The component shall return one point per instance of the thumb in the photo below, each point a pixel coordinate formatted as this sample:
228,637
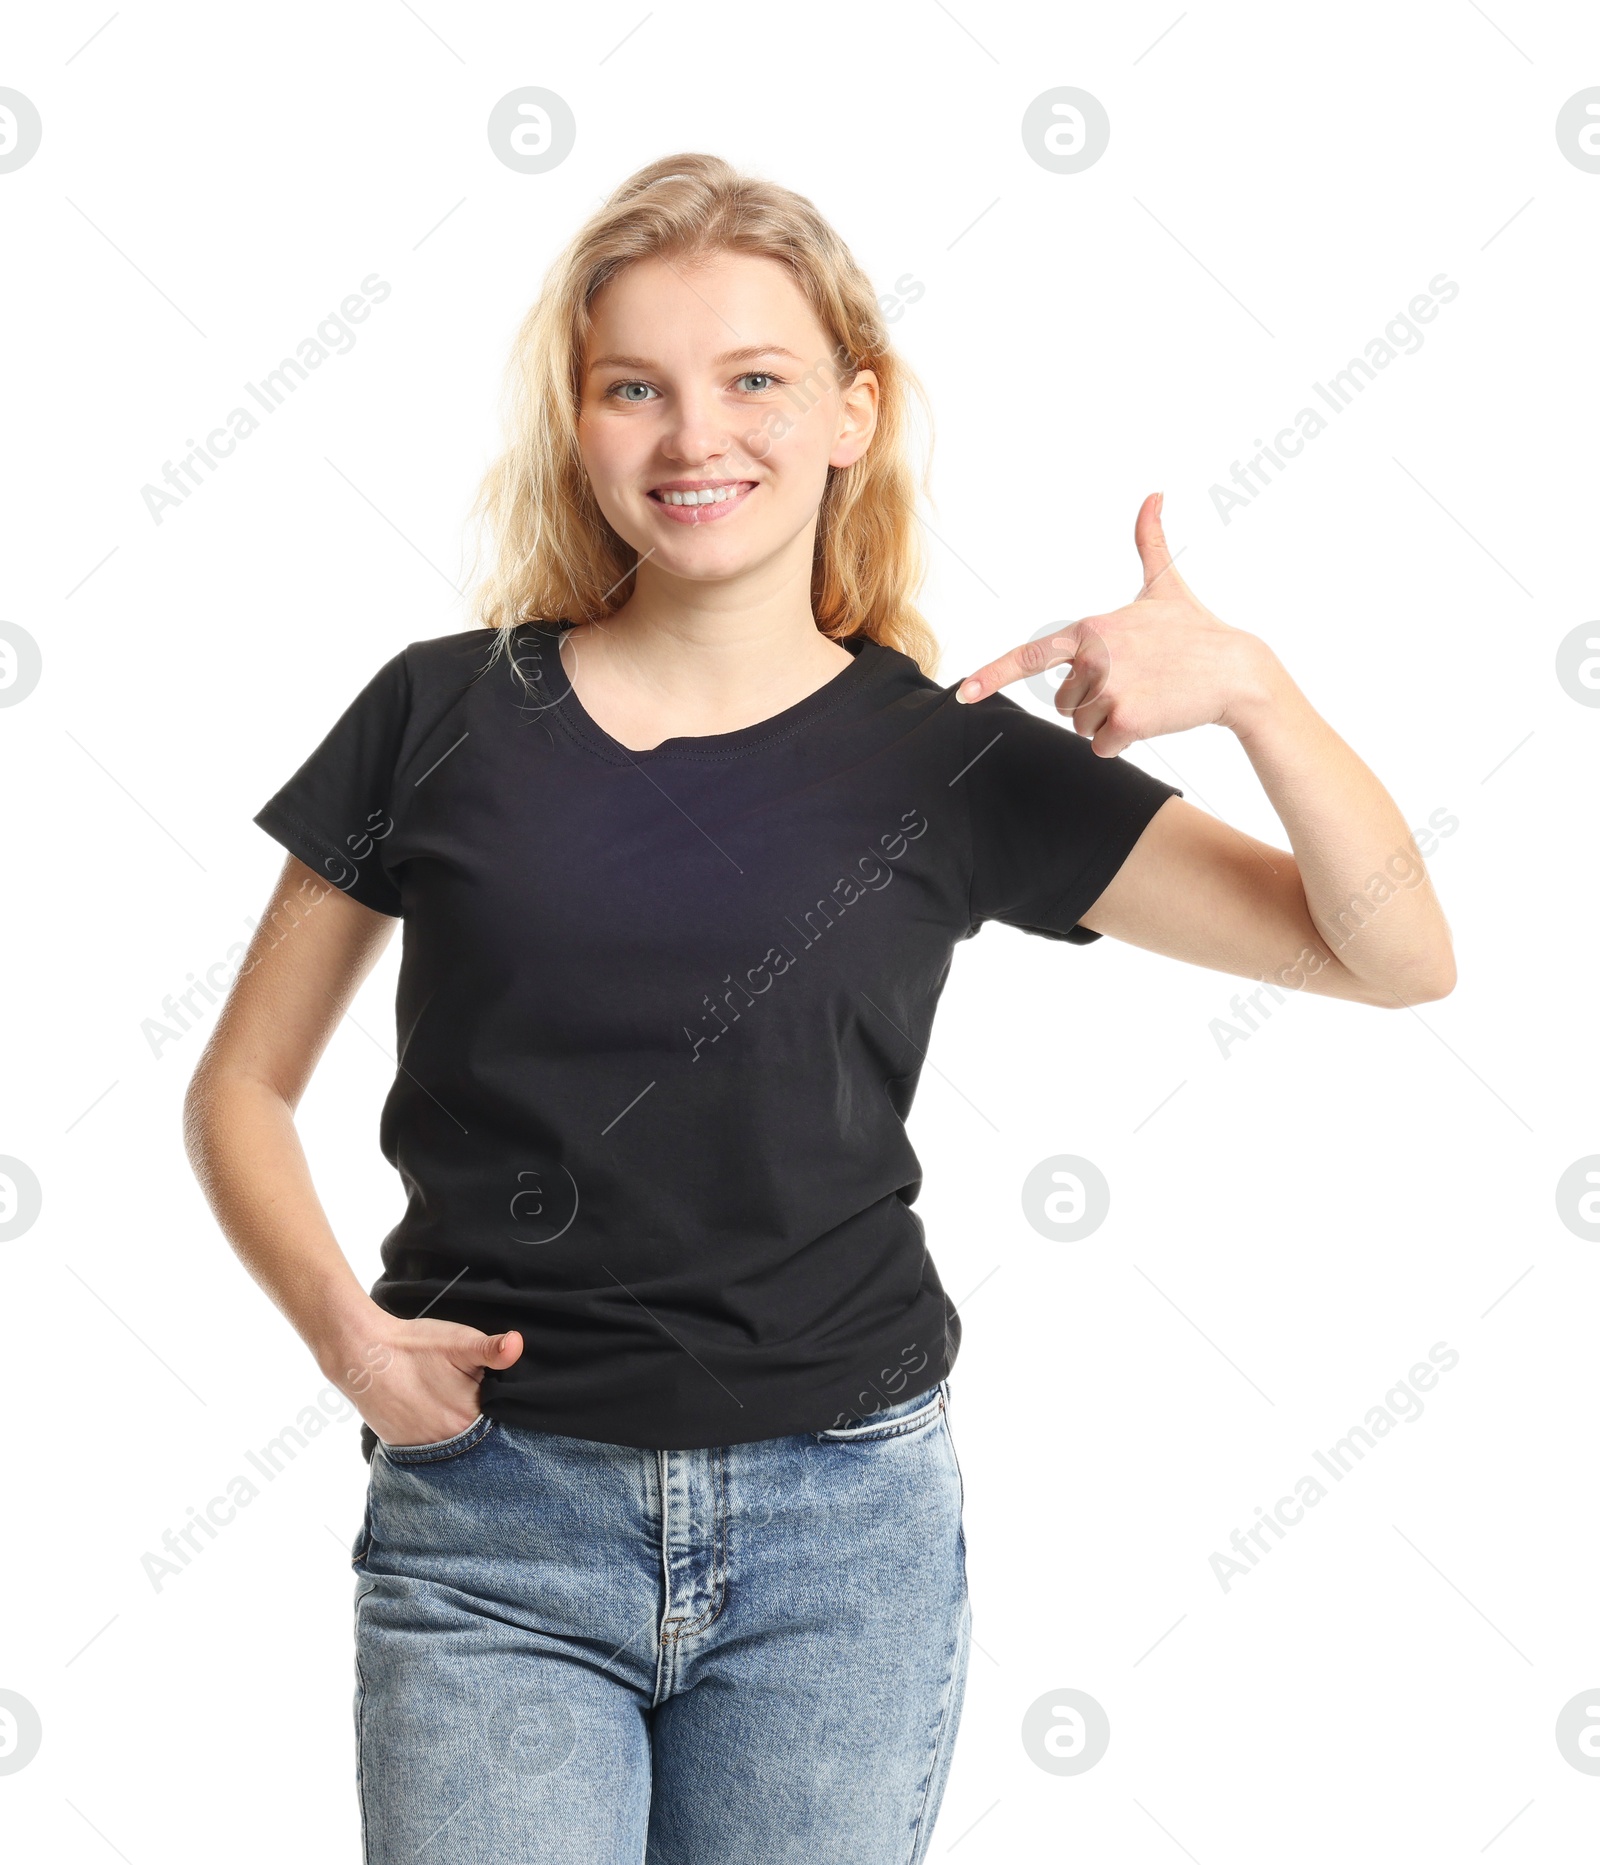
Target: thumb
1160,579
498,1351
1091,665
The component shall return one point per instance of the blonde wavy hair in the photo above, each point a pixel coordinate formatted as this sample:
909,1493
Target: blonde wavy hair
555,556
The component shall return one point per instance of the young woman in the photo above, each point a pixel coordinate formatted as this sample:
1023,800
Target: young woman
663,1554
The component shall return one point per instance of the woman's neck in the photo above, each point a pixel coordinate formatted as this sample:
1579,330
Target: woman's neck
687,660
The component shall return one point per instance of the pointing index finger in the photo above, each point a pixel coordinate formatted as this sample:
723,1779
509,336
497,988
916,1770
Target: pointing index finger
1076,642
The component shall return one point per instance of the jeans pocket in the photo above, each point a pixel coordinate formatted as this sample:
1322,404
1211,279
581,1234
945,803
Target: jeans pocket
443,1448
895,1421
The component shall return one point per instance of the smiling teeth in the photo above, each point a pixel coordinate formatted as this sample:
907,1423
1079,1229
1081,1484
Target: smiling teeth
712,496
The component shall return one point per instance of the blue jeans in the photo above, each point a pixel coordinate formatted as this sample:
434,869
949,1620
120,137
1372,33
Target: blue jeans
585,1653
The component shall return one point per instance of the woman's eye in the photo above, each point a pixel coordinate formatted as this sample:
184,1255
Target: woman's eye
753,382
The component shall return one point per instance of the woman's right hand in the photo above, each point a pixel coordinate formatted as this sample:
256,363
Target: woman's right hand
418,1382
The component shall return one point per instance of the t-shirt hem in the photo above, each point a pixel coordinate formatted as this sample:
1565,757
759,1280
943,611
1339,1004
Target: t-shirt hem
1104,864
317,852
786,1412
757,1426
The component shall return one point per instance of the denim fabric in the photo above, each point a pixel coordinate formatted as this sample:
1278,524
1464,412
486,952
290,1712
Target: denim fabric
589,1653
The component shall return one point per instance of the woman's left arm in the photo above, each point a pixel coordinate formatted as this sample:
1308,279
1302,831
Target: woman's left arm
1350,913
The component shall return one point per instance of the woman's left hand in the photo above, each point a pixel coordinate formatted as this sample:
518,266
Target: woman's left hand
1162,664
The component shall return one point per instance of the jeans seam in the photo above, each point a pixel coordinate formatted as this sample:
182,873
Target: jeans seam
361,1722
955,1457
666,1647
719,1553
939,1734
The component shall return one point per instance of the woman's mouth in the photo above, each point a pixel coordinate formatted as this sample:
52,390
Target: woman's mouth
699,501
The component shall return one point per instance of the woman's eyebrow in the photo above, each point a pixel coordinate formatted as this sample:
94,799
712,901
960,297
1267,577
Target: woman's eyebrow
748,354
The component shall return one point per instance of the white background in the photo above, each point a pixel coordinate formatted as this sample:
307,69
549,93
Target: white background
1293,1229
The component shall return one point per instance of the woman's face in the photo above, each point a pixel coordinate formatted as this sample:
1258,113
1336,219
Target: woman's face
715,379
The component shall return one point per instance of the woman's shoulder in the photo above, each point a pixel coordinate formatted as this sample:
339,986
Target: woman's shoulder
447,653
439,666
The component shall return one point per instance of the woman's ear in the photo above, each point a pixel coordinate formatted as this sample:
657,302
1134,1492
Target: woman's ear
858,418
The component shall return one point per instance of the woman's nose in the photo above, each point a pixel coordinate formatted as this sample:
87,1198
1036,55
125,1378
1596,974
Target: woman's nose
697,428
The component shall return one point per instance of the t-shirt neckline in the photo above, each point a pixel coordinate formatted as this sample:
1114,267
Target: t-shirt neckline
867,655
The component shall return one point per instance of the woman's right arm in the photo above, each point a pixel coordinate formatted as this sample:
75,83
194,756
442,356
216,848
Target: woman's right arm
413,1381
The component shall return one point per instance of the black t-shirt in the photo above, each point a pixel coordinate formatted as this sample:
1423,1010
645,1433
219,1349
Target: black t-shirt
661,1015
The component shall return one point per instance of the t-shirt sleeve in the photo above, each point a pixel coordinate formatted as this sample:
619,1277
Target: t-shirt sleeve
335,813
1052,821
